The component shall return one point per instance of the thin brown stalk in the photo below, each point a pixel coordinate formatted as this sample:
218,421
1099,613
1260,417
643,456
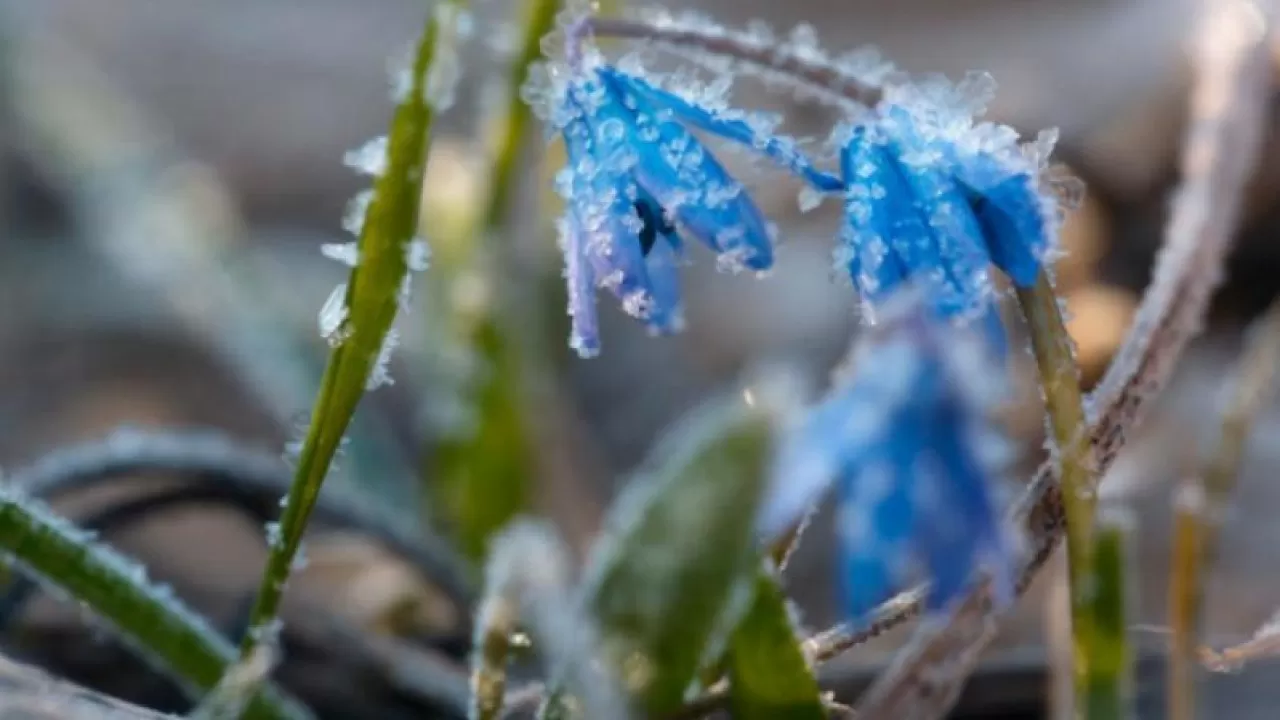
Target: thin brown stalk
1201,504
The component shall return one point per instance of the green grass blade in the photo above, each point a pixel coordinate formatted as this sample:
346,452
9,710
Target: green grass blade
170,636
680,542
768,673
373,296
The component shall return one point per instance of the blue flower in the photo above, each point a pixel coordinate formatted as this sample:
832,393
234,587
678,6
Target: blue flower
906,439
932,198
636,178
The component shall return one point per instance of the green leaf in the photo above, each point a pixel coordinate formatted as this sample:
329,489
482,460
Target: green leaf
769,676
373,297
173,638
680,541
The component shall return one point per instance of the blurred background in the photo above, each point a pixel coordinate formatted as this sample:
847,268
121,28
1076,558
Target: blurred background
168,171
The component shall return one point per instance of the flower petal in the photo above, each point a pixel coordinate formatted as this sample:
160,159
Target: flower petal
1011,210
692,186
666,315
584,335
731,125
601,193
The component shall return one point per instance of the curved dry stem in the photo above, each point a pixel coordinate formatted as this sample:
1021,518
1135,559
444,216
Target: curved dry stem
821,76
1225,130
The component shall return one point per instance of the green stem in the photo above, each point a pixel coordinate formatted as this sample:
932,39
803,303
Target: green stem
1059,381
169,634
1109,684
514,125
373,297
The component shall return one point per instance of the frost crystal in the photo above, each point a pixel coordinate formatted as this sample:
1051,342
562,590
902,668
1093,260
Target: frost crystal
809,199
417,255
380,373
274,535
347,253
357,208
333,316
446,67
368,159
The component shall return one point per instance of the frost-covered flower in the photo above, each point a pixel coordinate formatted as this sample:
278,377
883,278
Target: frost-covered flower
636,176
907,440
932,197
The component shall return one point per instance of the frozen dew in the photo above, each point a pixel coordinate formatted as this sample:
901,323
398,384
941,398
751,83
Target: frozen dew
273,534
357,209
368,159
347,253
380,372
333,316
809,198
400,71
417,255
300,559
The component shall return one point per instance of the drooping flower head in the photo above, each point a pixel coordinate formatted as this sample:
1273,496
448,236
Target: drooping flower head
637,178
937,199
906,438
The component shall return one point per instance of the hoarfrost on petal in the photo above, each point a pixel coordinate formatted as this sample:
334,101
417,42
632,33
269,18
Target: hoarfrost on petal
809,198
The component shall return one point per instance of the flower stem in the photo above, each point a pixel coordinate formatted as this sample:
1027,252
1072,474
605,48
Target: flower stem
1059,381
512,129
172,637
1109,684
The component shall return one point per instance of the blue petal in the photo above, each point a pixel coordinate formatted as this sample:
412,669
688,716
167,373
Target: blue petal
814,454
666,315
876,526
881,220
957,257
685,178
603,196
783,151
1010,208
